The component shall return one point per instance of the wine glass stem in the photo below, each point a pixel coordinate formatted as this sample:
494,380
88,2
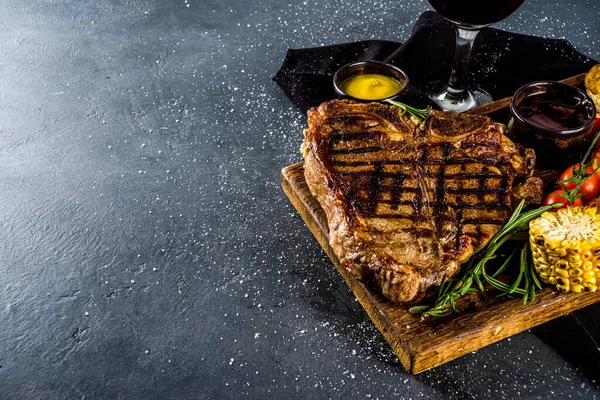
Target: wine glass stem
457,84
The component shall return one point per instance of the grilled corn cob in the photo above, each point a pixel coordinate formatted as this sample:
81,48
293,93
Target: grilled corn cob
565,246
592,85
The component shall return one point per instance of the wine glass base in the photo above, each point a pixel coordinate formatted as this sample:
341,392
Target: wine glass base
448,101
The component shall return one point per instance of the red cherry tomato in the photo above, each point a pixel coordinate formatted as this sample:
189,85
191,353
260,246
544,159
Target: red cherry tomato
554,198
596,126
590,187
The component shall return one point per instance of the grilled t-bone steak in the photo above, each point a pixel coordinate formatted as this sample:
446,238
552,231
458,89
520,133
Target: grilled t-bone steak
407,203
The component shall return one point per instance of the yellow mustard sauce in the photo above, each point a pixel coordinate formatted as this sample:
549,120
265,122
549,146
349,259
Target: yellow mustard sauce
371,86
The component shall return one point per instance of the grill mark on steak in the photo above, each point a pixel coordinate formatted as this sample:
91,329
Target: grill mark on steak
395,191
476,206
373,190
478,191
359,135
440,195
442,218
460,222
448,177
396,175
400,160
338,163
355,151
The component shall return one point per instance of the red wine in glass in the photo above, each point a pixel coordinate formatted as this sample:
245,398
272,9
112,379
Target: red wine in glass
478,13
468,17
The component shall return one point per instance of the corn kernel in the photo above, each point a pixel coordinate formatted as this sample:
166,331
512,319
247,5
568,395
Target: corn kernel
561,251
576,280
589,276
575,273
563,288
562,273
576,288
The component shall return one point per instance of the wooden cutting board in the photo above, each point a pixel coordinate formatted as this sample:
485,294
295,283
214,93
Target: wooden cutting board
422,344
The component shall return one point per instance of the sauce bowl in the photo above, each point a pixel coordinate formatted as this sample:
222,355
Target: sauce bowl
369,81
553,118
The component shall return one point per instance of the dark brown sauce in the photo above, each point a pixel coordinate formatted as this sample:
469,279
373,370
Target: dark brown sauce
549,112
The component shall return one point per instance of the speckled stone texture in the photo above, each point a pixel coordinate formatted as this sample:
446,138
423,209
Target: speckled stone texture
148,251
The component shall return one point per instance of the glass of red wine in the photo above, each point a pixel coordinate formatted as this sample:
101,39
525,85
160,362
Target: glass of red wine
468,17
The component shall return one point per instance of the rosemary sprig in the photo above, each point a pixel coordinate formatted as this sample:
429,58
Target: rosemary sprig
418,113
471,280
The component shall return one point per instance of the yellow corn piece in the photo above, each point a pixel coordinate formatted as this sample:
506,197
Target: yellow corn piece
592,85
565,247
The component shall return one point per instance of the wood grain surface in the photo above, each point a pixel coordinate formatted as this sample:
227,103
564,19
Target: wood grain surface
424,343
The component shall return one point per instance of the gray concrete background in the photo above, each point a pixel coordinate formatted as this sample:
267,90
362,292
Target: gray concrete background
148,250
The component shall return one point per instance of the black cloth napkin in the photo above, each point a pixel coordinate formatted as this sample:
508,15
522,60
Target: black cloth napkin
501,62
